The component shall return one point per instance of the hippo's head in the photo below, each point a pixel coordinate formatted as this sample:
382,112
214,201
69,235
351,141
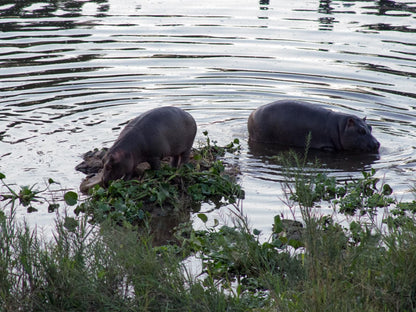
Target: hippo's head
356,136
117,165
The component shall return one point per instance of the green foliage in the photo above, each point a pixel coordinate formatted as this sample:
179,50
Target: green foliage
83,269
335,268
316,264
235,255
361,267
316,188
210,151
27,196
310,187
401,215
71,198
171,190
364,195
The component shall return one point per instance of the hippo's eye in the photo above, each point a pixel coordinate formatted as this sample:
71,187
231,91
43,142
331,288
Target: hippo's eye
362,131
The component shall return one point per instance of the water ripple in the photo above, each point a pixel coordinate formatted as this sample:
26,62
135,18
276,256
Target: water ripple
73,72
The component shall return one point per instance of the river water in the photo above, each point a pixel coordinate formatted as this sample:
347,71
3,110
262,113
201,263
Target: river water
73,72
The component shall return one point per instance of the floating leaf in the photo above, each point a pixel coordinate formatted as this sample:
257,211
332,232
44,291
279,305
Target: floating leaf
31,209
203,217
387,190
71,198
256,232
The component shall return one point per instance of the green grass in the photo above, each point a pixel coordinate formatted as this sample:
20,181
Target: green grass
89,269
96,262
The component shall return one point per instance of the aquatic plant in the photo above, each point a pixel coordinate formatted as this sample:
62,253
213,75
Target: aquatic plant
167,191
308,186
314,264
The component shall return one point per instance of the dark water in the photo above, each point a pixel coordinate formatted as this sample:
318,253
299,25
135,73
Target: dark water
72,72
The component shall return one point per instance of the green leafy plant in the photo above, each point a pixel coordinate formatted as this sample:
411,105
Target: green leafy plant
27,196
314,264
234,257
364,195
308,186
168,190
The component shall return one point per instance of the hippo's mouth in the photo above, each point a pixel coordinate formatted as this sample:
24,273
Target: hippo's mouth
371,150
371,147
374,147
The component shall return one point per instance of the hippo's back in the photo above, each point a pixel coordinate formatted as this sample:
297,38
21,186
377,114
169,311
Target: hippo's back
286,122
291,123
167,115
166,130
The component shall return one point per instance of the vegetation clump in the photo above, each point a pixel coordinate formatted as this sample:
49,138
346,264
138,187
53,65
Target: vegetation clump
162,199
309,187
167,189
313,264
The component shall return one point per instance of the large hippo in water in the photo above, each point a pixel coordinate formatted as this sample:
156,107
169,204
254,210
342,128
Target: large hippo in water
160,132
289,123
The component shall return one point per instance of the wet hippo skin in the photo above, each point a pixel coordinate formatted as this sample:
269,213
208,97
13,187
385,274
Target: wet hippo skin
288,123
160,132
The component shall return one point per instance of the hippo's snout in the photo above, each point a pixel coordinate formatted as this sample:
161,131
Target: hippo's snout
373,146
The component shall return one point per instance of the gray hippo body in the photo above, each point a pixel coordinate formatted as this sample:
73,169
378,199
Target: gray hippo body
160,132
288,123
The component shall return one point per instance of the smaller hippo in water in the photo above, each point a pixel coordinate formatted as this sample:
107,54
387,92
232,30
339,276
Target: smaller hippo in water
289,123
160,132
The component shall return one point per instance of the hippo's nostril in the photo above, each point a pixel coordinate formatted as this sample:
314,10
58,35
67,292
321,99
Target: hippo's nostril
374,146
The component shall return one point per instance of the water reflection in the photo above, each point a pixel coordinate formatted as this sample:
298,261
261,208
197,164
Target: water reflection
72,71
389,27
385,7
264,4
346,162
326,23
33,8
381,8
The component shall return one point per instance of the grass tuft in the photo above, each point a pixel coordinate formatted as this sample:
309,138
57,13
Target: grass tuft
315,264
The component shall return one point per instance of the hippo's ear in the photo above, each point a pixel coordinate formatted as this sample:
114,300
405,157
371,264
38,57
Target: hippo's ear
350,123
117,156
108,163
365,119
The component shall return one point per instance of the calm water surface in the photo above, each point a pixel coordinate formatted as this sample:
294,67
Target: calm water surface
73,72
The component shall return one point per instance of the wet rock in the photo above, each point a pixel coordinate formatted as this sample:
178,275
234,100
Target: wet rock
92,161
92,165
292,230
90,181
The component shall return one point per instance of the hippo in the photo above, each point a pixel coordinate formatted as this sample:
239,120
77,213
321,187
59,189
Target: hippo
160,132
289,123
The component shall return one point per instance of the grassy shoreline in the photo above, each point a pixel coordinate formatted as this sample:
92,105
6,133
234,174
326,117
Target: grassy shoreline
317,264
